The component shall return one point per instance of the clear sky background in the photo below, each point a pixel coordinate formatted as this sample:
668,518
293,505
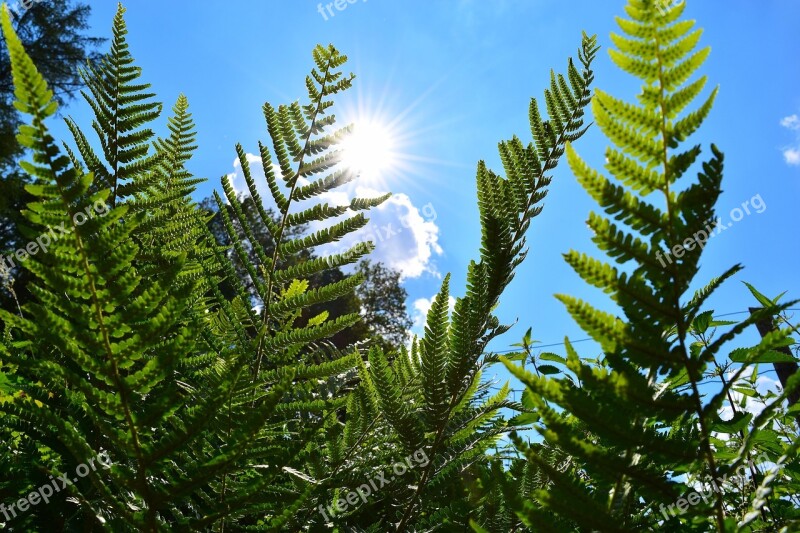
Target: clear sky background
452,78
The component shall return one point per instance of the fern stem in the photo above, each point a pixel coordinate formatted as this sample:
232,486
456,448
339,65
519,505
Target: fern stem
551,162
284,221
628,457
412,504
346,456
118,381
98,309
675,287
122,391
454,401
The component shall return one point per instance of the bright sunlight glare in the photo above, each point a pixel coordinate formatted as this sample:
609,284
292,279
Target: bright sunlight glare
369,150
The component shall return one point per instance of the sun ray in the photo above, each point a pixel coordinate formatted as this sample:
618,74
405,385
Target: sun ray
370,151
387,142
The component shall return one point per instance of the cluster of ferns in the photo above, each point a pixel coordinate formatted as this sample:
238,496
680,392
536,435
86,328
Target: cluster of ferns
230,410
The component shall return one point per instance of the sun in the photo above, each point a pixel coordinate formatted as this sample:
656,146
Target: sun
370,150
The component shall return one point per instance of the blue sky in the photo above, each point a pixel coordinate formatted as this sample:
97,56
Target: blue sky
455,77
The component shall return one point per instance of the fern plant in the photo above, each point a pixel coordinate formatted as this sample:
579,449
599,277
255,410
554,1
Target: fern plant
151,180
69,389
186,402
268,317
221,404
430,398
638,422
220,410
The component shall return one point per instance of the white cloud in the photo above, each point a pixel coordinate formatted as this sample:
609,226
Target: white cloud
792,154
792,122
406,237
754,406
421,307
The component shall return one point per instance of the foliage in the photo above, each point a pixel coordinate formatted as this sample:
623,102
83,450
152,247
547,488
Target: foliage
383,300
380,299
219,410
213,355
54,36
639,424
165,379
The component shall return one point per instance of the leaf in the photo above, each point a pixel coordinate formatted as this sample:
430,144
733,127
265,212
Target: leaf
319,319
702,321
5,385
763,300
548,369
740,355
528,400
747,391
717,323
527,339
549,356
516,356
737,423
476,527
524,419
296,288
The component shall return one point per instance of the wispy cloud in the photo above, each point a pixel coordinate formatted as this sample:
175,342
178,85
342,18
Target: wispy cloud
791,154
792,122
